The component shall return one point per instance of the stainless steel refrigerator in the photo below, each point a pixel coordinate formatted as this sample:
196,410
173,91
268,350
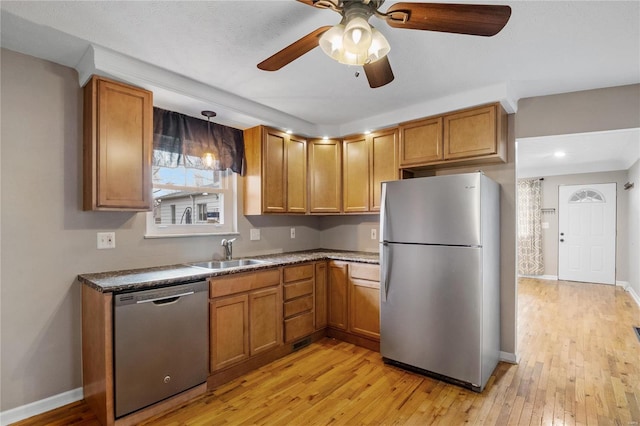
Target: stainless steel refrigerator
440,276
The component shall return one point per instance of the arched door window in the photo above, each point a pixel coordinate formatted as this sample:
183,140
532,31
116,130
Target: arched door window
587,196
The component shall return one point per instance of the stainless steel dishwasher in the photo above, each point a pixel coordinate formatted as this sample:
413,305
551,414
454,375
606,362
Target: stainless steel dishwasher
161,344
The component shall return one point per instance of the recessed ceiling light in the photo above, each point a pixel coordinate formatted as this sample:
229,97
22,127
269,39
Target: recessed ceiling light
325,138
559,154
367,132
289,132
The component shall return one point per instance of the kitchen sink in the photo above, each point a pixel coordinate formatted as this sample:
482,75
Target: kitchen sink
224,264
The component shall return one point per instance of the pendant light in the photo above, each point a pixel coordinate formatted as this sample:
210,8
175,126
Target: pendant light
208,159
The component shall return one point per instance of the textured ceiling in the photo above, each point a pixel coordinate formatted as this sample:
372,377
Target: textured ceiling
213,47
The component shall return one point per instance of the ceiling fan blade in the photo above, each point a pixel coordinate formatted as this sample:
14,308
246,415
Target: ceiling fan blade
379,72
473,19
293,51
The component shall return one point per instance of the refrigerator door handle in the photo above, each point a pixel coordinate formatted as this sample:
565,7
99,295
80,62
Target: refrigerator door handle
385,260
383,211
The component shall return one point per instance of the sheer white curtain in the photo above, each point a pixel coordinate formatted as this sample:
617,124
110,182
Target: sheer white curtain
530,261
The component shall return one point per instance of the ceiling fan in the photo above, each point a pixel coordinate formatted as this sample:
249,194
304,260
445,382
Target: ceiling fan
355,42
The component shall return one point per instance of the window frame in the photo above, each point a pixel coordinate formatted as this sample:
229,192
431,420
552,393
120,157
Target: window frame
229,214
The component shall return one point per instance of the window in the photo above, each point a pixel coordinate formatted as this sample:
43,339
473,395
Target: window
190,201
194,176
587,196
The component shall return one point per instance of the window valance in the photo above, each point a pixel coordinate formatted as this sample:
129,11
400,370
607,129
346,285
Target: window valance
181,140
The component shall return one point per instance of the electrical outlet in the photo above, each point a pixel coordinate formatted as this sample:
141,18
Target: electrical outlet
106,240
254,234
374,233
293,232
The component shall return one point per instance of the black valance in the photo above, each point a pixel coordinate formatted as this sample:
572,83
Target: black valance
180,140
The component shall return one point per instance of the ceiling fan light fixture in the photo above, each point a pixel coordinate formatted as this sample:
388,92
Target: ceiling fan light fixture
379,46
331,42
357,35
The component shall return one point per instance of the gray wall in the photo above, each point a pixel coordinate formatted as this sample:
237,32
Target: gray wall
350,232
579,112
550,200
47,239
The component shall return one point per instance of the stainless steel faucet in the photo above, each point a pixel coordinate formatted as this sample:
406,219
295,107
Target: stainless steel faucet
228,248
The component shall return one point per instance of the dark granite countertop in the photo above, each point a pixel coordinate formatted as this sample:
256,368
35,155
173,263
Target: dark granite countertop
145,278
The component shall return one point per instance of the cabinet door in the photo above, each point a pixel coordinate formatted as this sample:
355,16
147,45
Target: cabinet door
338,303
229,331
274,184
383,157
355,172
325,177
118,122
296,175
364,308
320,295
421,142
470,133
265,320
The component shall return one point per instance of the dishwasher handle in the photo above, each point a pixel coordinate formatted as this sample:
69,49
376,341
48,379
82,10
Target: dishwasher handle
166,299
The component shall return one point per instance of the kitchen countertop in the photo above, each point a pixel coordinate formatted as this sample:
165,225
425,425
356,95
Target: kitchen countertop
145,278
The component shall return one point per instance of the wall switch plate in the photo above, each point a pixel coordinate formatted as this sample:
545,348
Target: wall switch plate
106,240
374,234
254,234
293,232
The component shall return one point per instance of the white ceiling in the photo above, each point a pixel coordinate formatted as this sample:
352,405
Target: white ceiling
584,153
203,55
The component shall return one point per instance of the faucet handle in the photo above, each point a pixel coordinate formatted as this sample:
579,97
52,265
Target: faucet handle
231,241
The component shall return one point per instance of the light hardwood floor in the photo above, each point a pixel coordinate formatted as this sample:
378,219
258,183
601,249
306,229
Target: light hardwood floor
580,364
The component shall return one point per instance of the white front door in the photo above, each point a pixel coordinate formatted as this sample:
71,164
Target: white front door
587,233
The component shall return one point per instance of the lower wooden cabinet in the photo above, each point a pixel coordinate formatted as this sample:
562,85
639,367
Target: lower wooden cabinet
354,299
229,341
298,307
364,300
245,317
265,322
338,302
320,295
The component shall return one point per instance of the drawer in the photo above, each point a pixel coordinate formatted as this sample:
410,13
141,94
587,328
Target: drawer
299,326
298,306
239,283
301,288
364,271
296,273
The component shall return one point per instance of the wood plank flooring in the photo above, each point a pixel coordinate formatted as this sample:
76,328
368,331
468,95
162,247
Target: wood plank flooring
580,364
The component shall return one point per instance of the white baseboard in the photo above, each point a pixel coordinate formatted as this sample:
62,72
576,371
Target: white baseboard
633,294
623,284
509,357
38,407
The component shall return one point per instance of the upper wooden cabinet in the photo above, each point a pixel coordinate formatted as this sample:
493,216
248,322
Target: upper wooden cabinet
276,172
368,160
421,142
471,136
118,127
325,176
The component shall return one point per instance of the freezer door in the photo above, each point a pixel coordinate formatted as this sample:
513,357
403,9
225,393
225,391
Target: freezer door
432,210
431,309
